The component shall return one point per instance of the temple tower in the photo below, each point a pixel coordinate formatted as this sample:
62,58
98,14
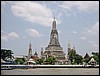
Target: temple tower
54,48
69,49
41,52
54,40
30,51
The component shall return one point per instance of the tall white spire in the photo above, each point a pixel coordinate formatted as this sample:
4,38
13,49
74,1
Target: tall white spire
30,45
54,24
68,44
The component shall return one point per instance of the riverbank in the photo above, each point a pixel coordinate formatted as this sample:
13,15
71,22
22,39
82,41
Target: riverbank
48,66
52,71
67,66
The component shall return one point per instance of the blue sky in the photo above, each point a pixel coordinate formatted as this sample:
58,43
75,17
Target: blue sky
23,22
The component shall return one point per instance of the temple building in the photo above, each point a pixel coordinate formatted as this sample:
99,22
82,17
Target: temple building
70,50
54,48
35,56
30,56
29,52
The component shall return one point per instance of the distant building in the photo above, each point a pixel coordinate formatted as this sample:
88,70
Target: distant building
86,56
30,56
70,50
35,56
30,62
29,52
92,62
54,48
41,52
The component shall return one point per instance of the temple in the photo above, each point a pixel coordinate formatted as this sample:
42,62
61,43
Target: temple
54,48
30,52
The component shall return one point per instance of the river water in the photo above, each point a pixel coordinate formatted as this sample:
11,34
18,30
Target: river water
52,71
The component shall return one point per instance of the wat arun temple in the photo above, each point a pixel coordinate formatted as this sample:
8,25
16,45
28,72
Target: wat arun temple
54,48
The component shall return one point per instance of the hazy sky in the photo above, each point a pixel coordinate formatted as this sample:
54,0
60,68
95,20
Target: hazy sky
31,21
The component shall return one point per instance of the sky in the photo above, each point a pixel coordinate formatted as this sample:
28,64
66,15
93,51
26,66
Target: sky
23,22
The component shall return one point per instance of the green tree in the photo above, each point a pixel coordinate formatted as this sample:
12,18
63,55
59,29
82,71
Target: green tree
72,54
96,56
87,60
6,54
78,59
40,61
20,60
51,60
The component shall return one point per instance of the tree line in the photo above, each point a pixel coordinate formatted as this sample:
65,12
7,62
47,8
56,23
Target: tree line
72,56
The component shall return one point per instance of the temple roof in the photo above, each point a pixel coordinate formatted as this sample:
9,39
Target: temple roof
35,53
86,56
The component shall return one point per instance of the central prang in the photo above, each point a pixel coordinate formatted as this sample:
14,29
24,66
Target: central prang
54,40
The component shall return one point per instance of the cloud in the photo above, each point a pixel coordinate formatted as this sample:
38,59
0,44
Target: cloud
37,12
59,21
33,12
67,5
6,37
13,35
83,38
74,32
83,6
88,6
33,32
93,30
3,3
